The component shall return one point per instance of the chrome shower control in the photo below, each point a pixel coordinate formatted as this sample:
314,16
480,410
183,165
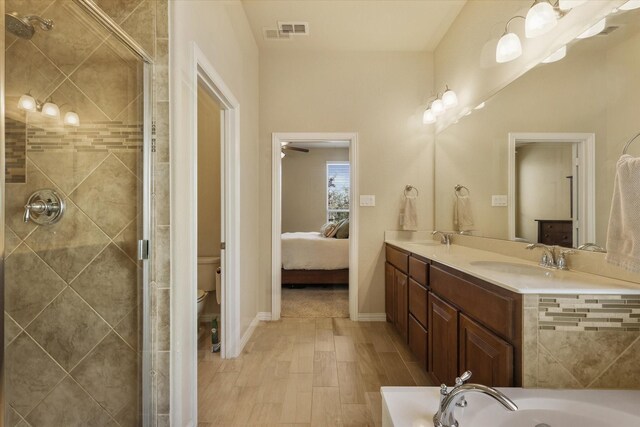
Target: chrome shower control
44,207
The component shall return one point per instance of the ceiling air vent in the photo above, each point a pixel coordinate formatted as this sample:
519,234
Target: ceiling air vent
275,34
295,28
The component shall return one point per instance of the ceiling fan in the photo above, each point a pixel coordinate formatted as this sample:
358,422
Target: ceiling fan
286,146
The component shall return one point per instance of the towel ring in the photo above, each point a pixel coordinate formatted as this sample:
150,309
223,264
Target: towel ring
459,189
408,189
626,146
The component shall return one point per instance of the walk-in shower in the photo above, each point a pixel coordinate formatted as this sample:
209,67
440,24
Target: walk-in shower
23,26
76,218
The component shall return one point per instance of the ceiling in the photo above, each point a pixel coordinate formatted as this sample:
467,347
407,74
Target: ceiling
355,25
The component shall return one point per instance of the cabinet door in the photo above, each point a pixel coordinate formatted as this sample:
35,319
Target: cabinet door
443,340
418,341
402,303
389,292
487,356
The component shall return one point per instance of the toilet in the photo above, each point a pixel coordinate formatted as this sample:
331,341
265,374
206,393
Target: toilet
207,270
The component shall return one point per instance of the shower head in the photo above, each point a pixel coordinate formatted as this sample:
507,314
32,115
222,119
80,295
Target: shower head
22,26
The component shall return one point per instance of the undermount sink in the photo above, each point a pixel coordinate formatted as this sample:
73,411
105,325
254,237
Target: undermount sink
415,406
513,268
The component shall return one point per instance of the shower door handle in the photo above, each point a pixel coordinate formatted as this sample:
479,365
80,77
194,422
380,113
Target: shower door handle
44,207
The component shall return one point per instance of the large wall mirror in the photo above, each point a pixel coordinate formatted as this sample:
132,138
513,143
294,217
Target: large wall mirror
549,142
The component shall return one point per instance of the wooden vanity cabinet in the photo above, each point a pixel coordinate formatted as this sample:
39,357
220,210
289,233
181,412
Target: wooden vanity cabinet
396,289
443,340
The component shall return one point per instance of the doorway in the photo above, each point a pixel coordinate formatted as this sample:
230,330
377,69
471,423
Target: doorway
309,258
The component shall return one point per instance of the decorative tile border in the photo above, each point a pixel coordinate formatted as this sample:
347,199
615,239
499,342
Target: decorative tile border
96,136
15,151
589,312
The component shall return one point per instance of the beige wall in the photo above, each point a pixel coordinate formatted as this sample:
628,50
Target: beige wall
304,189
208,175
542,188
376,95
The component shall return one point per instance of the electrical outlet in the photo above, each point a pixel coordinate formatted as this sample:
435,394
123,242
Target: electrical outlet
499,200
367,200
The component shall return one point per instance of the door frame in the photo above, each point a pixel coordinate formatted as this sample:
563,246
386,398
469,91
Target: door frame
276,213
184,238
586,189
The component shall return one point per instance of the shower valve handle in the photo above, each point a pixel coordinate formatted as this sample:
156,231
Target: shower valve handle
39,208
44,207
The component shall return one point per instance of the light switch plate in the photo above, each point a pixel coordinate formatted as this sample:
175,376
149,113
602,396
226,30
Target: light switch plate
499,200
367,200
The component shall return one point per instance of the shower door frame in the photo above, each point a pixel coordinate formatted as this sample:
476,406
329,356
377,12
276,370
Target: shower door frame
147,411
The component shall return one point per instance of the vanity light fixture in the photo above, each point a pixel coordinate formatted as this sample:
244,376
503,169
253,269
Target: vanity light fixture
630,5
596,29
509,46
27,103
71,118
557,55
437,107
570,4
541,19
428,117
449,98
49,109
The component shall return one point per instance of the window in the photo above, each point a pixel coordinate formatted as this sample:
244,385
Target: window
338,190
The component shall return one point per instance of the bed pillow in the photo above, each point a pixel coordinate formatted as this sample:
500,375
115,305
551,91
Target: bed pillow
342,231
329,229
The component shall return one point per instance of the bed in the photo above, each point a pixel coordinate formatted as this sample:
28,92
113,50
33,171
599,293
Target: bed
311,258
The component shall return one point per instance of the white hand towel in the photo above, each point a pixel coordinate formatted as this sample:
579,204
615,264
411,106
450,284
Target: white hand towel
409,214
462,216
623,235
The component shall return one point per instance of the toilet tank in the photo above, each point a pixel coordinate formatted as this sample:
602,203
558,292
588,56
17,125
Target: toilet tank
207,267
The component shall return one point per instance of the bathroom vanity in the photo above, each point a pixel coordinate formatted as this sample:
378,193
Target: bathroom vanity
509,321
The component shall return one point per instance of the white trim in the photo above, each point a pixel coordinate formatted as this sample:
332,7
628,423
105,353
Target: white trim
248,333
586,178
184,251
372,317
264,316
276,213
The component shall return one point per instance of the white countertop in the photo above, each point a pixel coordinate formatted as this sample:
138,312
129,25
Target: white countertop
546,282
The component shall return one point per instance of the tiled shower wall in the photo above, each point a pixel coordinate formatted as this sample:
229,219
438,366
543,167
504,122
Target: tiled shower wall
581,341
65,333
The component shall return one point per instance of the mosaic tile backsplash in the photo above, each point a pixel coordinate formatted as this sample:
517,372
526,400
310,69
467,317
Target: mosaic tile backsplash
15,151
589,312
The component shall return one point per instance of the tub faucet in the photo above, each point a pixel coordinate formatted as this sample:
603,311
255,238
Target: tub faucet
445,238
450,399
548,259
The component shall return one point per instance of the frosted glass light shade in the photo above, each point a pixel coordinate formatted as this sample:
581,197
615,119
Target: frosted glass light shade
630,5
437,107
540,19
428,117
27,103
449,99
72,119
570,4
50,109
557,55
596,29
509,48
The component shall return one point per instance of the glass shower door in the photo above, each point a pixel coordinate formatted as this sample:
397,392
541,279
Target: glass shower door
74,138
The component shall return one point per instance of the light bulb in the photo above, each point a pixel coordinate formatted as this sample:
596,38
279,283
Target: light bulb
428,117
71,119
282,154
50,109
596,29
540,19
449,99
570,4
509,48
437,107
557,55
27,103
630,5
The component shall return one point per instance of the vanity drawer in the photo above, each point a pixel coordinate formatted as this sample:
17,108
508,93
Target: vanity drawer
418,302
419,271
397,258
494,310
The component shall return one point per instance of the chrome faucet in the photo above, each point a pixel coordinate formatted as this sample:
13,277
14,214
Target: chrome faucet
445,238
592,247
450,399
548,259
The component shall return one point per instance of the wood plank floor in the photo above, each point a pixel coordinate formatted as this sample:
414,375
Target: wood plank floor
305,372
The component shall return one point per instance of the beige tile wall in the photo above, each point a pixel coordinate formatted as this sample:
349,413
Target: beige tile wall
593,343
74,336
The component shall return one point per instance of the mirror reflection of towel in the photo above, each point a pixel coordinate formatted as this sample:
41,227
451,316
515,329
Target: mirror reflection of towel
409,214
623,235
462,216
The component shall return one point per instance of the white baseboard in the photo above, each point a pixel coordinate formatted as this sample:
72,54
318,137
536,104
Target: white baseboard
247,335
372,317
264,316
